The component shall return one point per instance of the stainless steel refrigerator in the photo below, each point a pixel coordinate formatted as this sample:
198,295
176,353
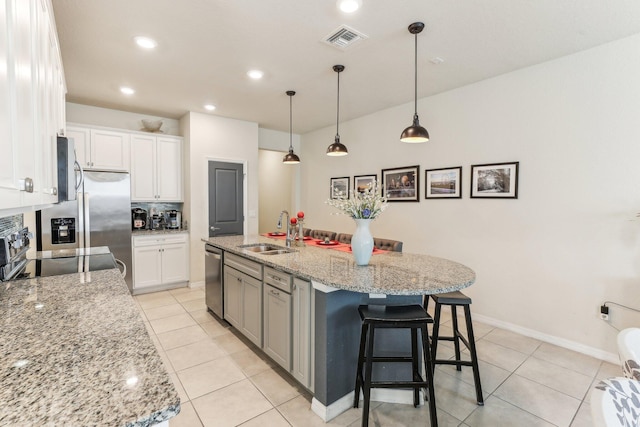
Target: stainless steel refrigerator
101,216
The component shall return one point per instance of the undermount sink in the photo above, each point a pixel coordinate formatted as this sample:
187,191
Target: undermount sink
266,249
276,252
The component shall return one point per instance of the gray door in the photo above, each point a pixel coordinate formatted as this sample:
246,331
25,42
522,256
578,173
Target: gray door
225,199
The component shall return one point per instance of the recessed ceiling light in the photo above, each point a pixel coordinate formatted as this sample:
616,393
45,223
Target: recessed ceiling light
349,6
255,74
127,90
145,42
209,107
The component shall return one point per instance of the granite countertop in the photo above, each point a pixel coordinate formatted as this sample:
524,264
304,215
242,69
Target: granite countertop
390,273
160,231
74,351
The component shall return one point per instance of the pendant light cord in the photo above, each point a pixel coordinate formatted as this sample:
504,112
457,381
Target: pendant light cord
415,85
290,122
338,109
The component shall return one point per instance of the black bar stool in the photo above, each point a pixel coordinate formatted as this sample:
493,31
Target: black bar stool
455,299
413,317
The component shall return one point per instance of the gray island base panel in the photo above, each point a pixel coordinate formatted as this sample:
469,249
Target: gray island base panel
340,286
75,351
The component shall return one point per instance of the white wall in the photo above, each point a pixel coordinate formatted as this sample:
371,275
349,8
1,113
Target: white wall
276,189
90,115
216,138
279,141
546,261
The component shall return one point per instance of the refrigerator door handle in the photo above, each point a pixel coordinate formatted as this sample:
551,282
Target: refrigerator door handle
124,267
87,225
81,173
80,216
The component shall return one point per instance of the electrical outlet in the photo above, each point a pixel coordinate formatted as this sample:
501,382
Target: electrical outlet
604,316
604,312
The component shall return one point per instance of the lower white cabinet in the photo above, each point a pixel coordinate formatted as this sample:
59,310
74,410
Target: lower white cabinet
302,337
160,259
277,316
274,310
243,296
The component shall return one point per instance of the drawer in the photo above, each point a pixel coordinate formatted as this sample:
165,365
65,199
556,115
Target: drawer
249,267
158,239
277,279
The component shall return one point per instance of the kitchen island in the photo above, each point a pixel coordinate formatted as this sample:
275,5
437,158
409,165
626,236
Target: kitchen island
75,352
339,287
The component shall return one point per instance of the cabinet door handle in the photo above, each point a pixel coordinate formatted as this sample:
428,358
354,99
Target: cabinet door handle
26,185
276,278
238,279
275,293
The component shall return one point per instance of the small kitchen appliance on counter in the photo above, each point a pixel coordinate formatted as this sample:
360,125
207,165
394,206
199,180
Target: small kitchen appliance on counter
138,219
157,221
174,219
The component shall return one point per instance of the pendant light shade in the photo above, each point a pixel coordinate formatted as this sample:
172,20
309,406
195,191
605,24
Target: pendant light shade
291,158
415,133
337,148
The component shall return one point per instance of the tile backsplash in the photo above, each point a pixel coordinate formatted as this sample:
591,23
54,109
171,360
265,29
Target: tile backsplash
10,224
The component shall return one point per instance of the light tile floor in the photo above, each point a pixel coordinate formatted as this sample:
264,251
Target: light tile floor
223,380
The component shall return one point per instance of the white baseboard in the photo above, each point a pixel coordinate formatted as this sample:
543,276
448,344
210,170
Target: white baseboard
551,339
327,413
199,284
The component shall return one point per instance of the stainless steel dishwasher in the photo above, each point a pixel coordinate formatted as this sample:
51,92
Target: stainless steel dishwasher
213,289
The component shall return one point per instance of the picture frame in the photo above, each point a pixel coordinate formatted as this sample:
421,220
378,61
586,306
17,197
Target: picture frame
443,183
339,186
402,184
495,181
361,182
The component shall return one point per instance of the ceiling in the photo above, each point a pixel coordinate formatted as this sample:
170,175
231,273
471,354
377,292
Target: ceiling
206,48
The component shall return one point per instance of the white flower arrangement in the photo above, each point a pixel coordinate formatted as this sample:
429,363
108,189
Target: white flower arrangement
368,204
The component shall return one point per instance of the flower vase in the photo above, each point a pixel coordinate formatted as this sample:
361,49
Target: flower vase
362,242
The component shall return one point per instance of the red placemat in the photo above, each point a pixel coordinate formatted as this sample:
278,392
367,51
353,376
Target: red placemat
284,236
347,248
318,244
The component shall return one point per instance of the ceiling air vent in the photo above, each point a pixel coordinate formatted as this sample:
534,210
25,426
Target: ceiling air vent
344,37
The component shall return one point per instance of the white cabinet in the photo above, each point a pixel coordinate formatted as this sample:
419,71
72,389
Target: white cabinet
243,296
31,105
156,168
100,149
160,259
302,339
277,316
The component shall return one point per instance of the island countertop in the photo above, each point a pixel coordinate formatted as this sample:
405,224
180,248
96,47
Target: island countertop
390,273
74,351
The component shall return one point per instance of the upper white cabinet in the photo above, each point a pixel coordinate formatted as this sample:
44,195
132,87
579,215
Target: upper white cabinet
100,149
156,168
32,105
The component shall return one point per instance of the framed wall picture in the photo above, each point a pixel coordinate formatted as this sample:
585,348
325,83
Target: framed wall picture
362,182
339,188
402,184
495,181
443,183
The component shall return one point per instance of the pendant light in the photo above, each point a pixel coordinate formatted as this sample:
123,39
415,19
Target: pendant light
291,158
337,149
415,133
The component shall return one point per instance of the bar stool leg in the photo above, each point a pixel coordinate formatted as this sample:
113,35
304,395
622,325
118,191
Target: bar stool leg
415,366
367,377
435,334
456,335
429,367
474,355
359,379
